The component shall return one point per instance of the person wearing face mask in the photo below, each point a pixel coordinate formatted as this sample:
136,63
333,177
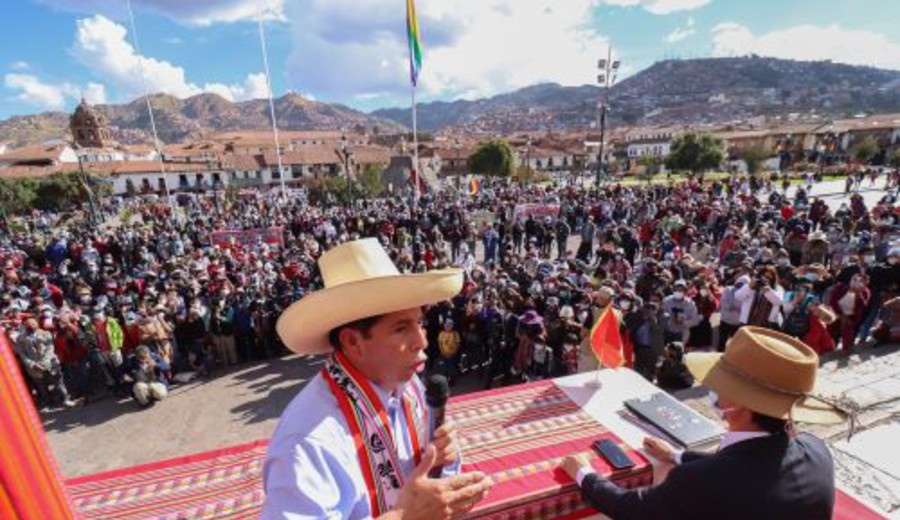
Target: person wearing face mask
764,468
35,349
706,298
851,302
884,285
679,313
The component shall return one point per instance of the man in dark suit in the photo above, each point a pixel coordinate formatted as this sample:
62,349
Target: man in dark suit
763,470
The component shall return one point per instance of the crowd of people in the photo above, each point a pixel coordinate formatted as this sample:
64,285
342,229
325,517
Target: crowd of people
148,299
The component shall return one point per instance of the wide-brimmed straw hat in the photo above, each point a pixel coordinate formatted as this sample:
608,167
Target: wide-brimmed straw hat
361,281
767,372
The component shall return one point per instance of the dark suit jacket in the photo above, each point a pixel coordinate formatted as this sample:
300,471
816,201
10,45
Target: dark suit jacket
767,478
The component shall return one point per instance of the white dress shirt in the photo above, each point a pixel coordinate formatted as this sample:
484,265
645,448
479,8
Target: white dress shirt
312,469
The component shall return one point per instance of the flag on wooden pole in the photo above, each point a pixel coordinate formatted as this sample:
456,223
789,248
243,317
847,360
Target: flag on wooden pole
606,340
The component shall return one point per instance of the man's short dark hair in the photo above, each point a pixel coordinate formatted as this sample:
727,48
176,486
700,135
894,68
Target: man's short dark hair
363,326
769,424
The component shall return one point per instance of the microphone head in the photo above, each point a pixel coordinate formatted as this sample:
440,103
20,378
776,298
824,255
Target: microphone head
437,390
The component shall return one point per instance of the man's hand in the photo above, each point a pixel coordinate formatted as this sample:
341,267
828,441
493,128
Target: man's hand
423,498
659,449
573,463
446,444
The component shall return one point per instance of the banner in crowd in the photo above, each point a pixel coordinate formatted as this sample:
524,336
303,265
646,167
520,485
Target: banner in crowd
482,218
274,236
536,211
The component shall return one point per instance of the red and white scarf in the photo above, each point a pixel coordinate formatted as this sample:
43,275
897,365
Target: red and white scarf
370,427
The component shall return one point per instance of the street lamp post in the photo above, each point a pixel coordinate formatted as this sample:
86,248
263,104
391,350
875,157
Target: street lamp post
346,155
607,78
84,180
528,153
458,168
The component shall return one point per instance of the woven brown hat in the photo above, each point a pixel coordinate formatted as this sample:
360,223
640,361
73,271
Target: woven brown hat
767,372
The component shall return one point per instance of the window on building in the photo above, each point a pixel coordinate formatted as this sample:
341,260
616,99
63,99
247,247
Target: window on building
183,181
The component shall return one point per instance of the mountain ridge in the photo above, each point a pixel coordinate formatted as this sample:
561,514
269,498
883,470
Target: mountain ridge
670,92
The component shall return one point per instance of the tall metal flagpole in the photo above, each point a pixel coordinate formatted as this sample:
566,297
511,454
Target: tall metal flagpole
415,146
262,41
137,50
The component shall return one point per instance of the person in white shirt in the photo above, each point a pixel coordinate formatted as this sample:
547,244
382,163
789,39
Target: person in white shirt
358,442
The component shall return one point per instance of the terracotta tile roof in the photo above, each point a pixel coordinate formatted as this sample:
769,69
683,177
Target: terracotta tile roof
26,172
307,156
34,153
241,162
371,154
139,167
266,140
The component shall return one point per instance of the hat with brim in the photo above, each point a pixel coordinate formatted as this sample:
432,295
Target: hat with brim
361,281
767,372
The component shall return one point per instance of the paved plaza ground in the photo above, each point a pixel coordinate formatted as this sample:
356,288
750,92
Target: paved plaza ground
243,404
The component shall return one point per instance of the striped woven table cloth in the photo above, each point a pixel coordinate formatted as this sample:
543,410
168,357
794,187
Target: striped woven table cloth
519,435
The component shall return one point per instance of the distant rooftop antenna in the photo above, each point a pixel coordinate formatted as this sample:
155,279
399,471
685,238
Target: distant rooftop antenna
156,146
265,56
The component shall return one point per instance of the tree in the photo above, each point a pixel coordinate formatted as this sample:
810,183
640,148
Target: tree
649,167
865,150
16,195
370,180
895,158
60,190
494,158
696,153
754,158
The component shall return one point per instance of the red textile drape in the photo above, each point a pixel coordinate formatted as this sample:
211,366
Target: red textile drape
32,486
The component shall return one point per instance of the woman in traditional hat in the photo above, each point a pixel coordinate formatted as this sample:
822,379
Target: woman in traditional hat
761,386
356,443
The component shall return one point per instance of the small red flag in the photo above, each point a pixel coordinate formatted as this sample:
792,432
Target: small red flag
606,341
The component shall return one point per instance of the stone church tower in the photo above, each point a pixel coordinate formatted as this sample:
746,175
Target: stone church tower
89,128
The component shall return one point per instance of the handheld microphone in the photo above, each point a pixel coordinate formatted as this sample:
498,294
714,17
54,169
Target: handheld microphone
437,390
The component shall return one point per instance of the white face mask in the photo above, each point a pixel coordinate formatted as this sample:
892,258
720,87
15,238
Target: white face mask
714,402
679,295
625,305
869,259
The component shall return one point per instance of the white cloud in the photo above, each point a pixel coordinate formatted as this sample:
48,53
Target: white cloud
190,12
681,33
357,48
95,93
31,90
19,65
809,42
34,92
102,46
661,6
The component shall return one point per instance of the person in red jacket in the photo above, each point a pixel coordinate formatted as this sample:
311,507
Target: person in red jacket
850,301
817,336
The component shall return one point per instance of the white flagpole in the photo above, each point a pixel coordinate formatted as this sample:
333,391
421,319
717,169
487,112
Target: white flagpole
265,56
156,145
416,172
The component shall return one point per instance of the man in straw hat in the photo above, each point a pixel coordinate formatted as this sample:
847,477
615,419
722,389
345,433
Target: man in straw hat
760,386
356,442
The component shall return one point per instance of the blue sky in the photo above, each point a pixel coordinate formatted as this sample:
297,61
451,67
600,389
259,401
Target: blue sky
354,52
